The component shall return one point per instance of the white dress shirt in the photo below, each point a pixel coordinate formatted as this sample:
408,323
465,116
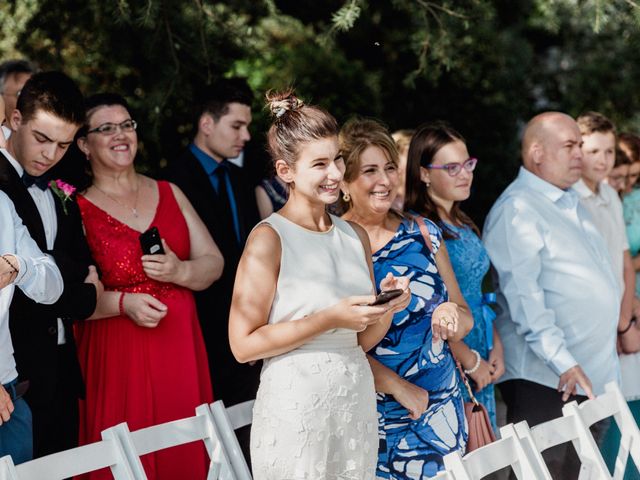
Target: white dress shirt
47,209
605,209
558,295
38,277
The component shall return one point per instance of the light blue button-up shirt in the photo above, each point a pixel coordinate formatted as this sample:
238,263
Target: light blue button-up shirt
38,277
558,297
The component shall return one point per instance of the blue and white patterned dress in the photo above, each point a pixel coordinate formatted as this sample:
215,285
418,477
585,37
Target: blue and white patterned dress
413,449
470,263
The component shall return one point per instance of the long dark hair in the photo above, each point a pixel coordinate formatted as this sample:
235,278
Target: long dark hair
427,141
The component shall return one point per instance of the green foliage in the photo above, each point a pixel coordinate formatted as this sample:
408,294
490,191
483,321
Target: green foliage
486,66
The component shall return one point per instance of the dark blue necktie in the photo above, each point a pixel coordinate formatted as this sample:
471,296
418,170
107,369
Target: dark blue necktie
42,182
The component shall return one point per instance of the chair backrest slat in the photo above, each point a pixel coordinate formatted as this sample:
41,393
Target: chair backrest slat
554,432
508,451
241,415
166,435
602,407
70,463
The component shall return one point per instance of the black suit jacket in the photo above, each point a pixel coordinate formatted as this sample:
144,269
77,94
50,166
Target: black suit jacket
33,326
232,382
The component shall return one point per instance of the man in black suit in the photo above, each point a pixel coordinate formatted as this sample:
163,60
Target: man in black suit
225,201
49,112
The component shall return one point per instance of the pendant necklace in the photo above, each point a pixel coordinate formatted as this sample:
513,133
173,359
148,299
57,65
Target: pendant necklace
134,209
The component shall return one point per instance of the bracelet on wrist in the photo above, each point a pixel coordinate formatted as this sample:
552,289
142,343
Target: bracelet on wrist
475,368
628,327
121,304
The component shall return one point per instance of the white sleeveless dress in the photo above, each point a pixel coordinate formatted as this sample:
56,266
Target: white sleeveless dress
315,412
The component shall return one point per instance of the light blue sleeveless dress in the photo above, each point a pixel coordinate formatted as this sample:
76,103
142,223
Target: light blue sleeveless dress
413,449
470,263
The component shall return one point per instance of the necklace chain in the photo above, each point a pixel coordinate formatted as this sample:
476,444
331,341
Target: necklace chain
134,209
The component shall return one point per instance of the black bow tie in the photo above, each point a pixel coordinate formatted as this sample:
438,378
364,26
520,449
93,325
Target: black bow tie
42,182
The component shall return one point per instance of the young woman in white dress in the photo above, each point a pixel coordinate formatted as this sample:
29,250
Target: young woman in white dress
301,303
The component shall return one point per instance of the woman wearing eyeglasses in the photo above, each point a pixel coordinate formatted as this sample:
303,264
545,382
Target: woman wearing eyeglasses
142,353
439,177
420,407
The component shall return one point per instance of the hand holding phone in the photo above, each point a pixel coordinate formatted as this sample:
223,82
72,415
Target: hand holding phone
386,296
151,243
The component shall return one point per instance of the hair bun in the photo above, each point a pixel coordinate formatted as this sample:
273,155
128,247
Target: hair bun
280,103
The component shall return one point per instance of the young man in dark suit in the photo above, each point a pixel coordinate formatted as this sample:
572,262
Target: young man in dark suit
49,111
225,201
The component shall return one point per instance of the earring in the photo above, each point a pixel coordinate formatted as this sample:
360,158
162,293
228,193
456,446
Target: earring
346,197
427,184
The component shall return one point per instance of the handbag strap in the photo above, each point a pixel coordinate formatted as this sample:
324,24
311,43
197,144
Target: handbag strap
424,231
465,380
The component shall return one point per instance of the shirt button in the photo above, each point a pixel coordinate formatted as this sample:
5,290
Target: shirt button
52,330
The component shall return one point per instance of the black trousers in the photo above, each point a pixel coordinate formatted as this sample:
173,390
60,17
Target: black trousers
55,423
537,404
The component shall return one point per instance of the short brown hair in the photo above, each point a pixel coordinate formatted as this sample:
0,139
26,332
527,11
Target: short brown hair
632,142
621,158
52,92
591,122
295,124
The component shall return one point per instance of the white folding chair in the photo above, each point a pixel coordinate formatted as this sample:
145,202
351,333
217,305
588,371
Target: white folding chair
228,420
7,469
568,428
508,451
108,453
610,404
200,427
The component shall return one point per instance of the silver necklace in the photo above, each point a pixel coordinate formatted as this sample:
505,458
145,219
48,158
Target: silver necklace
134,209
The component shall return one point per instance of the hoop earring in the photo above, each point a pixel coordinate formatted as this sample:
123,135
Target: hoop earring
346,197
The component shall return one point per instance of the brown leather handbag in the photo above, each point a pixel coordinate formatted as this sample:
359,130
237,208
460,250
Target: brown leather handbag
480,431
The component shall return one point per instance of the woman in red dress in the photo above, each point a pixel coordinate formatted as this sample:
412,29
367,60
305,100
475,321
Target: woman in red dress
142,353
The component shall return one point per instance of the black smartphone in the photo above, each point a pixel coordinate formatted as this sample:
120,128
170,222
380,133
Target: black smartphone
386,296
151,243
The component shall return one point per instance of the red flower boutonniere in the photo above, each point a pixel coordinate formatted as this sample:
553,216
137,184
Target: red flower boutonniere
64,191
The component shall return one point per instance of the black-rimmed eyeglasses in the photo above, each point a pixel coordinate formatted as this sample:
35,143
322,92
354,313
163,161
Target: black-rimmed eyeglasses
113,128
453,169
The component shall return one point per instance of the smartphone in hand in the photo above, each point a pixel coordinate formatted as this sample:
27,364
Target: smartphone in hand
386,296
151,243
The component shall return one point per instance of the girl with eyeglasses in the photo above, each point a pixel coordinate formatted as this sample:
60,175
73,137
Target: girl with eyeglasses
439,178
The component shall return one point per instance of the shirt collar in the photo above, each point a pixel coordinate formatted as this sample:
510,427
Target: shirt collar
209,163
13,161
585,192
534,182
563,198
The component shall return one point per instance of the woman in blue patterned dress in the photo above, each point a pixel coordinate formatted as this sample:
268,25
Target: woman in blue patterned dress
439,177
420,408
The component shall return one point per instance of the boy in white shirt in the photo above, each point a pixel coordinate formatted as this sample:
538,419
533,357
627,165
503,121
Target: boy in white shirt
605,207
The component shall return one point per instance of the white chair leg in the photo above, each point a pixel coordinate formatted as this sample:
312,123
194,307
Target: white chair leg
130,467
626,423
7,469
593,466
523,432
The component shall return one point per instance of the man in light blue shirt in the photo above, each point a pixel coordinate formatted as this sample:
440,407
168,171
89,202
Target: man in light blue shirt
557,292
22,264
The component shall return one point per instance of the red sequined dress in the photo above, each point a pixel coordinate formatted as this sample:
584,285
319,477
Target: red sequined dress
143,376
